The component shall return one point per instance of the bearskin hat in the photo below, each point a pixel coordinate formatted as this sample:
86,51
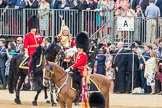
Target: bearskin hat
33,22
97,100
82,41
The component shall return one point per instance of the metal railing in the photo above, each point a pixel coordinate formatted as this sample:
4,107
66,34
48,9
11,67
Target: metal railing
101,25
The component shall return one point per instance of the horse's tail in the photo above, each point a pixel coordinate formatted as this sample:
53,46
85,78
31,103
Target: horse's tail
11,75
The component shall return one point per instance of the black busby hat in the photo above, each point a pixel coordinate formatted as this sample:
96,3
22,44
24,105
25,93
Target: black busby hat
82,41
97,100
33,22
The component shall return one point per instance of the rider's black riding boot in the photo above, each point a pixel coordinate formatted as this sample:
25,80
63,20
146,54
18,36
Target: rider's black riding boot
33,67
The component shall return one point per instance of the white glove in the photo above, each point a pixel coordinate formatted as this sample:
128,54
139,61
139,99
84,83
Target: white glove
26,55
74,49
68,70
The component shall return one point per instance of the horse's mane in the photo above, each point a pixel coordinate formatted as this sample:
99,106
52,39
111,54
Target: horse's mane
58,68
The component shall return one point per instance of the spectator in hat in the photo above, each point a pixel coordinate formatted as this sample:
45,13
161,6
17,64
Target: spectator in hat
100,59
139,50
132,68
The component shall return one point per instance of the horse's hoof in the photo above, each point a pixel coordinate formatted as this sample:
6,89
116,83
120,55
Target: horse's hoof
47,101
17,101
34,103
57,99
54,104
76,104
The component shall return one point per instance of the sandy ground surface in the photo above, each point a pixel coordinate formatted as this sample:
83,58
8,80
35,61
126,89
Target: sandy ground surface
116,100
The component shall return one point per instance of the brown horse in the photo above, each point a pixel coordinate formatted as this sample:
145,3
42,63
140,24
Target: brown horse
66,94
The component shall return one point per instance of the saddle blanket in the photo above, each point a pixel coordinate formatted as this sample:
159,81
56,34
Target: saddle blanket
25,62
92,87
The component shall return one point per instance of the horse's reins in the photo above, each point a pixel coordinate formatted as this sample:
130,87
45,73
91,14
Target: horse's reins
60,78
65,82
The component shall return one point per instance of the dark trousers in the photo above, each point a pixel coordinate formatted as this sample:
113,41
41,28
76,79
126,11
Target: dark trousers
2,76
146,88
135,80
120,81
77,78
33,63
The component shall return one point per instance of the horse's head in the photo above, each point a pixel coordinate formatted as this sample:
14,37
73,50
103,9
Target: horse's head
54,52
52,71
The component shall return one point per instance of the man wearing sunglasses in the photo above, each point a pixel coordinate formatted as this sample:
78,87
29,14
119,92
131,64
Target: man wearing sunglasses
19,41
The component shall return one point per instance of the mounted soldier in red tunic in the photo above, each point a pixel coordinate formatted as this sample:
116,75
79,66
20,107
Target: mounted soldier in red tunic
78,68
32,41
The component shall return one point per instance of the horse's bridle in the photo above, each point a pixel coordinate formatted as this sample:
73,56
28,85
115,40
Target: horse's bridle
58,55
55,82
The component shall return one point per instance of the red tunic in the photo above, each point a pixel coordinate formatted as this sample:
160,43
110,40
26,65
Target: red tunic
80,62
73,42
31,42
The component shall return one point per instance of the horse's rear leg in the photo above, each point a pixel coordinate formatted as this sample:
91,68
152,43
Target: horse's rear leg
17,99
107,101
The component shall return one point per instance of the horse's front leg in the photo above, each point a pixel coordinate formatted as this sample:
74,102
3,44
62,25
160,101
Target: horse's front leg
17,99
39,85
51,94
45,94
69,103
62,104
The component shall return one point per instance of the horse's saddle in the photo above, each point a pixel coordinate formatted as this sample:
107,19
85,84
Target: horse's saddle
25,62
92,87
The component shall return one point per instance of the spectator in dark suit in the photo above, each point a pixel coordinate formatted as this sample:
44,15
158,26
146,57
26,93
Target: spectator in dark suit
54,13
92,5
3,58
159,4
63,5
142,3
54,4
31,4
91,18
82,5
2,4
133,66
119,62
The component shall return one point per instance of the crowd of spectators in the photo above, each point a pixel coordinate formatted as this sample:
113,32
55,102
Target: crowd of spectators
103,9
115,62
124,67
